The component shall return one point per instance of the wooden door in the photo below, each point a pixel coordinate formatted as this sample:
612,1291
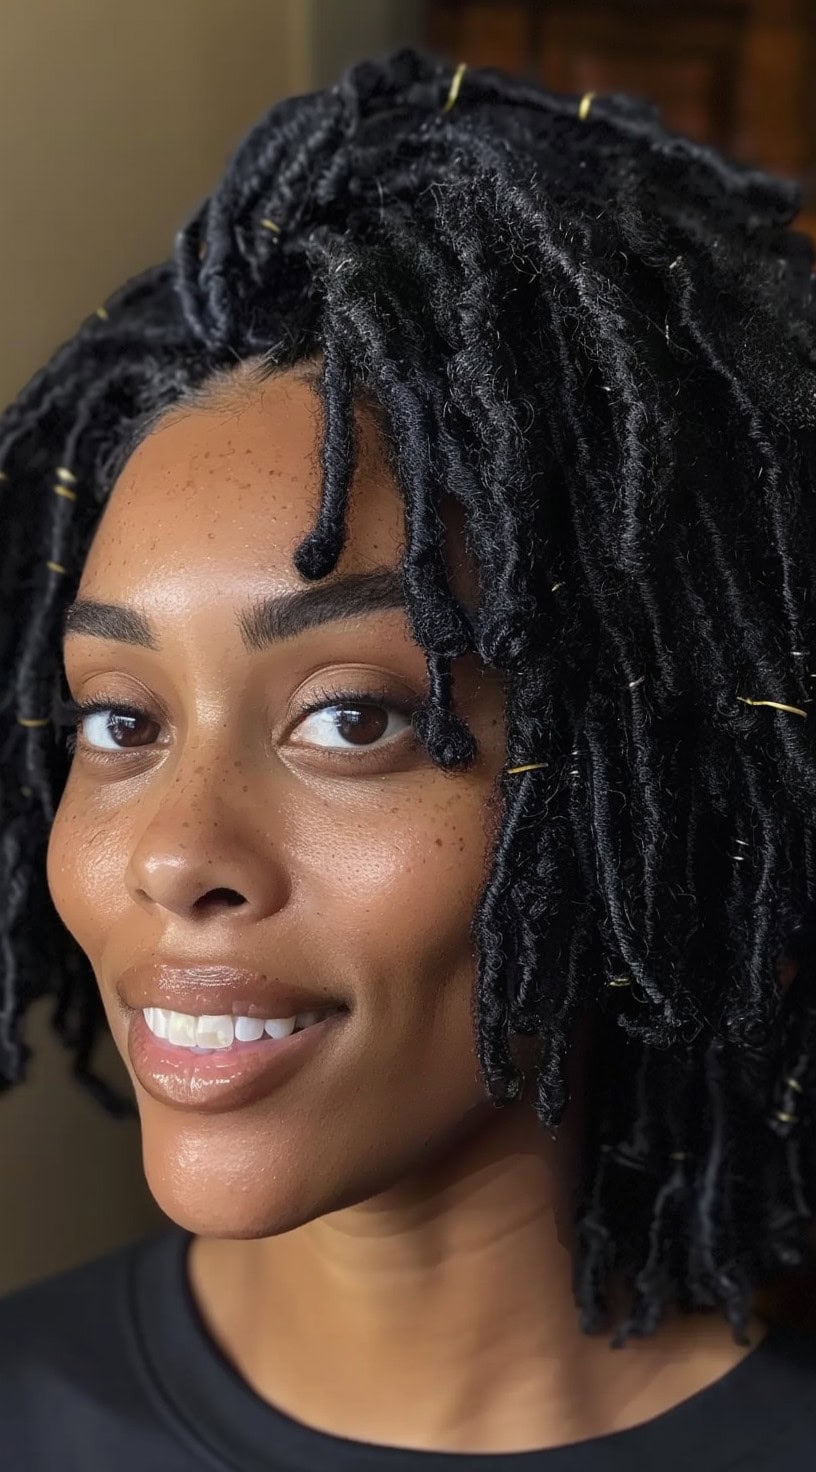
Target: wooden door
734,73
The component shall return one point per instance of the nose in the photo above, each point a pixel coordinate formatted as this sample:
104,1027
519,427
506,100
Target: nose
206,866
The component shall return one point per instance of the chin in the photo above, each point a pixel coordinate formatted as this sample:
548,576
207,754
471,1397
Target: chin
233,1183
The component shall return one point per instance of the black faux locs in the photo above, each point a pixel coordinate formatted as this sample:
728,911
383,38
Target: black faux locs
598,338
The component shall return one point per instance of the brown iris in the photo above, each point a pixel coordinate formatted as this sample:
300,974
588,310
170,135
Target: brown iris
361,725
131,730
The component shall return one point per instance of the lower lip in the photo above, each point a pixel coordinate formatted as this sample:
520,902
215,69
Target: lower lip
227,1079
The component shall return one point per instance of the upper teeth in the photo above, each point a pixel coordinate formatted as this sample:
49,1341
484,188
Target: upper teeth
188,1031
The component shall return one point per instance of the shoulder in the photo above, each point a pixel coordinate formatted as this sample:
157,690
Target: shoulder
76,1304
778,1395
67,1341
791,1349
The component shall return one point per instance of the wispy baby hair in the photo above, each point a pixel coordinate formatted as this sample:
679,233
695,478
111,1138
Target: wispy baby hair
598,337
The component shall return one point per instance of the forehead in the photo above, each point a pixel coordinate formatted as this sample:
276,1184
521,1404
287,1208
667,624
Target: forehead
234,487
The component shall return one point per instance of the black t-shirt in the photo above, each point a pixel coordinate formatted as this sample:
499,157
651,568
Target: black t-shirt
109,1367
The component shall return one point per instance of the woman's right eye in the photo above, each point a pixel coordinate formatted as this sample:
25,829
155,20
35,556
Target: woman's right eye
115,728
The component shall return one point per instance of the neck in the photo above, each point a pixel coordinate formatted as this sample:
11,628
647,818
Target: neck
450,1292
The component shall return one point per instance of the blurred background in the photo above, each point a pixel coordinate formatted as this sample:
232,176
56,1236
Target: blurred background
115,121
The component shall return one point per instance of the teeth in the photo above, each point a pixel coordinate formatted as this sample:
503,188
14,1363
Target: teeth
249,1029
207,1032
187,1031
181,1029
279,1027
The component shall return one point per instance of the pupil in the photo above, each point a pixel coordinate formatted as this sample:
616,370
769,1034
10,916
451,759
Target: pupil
363,724
125,730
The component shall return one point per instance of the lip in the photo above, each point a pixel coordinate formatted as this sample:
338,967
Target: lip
215,1082
216,990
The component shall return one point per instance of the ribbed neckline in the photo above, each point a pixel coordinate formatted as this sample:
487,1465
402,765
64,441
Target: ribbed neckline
201,1391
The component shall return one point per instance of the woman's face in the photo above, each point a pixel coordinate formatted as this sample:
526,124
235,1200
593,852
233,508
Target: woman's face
222,827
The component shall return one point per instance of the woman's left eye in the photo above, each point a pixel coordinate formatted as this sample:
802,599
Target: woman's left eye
113,728
345,724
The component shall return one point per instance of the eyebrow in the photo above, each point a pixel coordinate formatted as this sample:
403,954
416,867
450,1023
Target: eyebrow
266,621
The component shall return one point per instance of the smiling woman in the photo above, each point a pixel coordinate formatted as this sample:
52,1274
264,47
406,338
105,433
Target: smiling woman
244,754
408,597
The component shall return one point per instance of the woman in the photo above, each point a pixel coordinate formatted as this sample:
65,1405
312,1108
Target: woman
428,800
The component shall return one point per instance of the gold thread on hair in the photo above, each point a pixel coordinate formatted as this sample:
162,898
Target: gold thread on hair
56,567
3,475
270,225
27,791
679,1155
586,103
65,475
632,684
620,981
26,721
100,312
455,85
777,704
555,587
64,492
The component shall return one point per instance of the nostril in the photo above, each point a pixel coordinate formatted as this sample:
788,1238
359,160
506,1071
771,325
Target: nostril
216,897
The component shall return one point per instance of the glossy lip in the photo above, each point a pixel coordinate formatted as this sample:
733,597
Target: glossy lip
227,1078
216,990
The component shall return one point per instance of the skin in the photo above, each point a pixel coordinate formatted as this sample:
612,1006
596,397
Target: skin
374,1236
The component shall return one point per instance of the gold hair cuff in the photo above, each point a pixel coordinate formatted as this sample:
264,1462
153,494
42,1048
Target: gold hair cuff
455,85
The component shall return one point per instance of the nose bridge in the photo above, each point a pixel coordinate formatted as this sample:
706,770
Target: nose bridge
199,848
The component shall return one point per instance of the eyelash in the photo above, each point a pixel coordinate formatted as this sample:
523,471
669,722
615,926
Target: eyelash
76,711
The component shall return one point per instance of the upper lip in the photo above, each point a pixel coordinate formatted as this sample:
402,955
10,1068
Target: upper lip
216,991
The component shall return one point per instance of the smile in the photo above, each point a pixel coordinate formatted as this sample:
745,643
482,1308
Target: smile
230,1075
210,1033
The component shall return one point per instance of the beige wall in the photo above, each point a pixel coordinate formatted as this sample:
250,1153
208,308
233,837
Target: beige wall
115,120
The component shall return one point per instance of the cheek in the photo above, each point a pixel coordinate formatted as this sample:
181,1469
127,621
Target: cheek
401,885
84,870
